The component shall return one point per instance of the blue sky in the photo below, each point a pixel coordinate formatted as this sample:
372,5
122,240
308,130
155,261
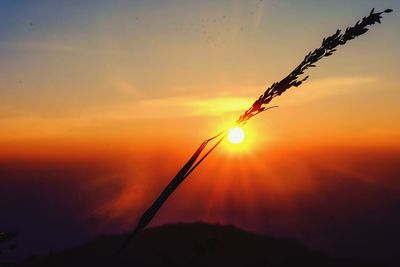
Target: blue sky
73,59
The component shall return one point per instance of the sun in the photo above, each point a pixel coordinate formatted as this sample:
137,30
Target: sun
236,135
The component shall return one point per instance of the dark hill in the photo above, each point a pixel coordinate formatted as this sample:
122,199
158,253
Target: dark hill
196,244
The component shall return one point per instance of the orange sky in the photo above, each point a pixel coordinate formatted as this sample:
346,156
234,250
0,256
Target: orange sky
135,73
117,97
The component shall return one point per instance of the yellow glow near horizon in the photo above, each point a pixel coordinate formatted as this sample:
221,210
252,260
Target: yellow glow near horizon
236,135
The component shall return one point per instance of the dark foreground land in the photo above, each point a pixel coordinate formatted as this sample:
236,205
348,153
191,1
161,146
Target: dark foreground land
195,244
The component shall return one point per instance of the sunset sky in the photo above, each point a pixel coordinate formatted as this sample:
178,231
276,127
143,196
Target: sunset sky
101,102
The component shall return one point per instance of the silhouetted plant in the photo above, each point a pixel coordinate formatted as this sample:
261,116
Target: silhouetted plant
6,244
327,48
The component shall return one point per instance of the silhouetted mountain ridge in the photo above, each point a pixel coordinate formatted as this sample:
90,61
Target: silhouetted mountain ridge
195,244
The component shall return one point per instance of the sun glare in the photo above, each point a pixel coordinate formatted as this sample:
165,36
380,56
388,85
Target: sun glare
236,135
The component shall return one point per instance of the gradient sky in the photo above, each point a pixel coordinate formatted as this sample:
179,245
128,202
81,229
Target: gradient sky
79,71
94,94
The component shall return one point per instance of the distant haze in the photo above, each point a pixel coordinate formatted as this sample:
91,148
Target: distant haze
101,102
